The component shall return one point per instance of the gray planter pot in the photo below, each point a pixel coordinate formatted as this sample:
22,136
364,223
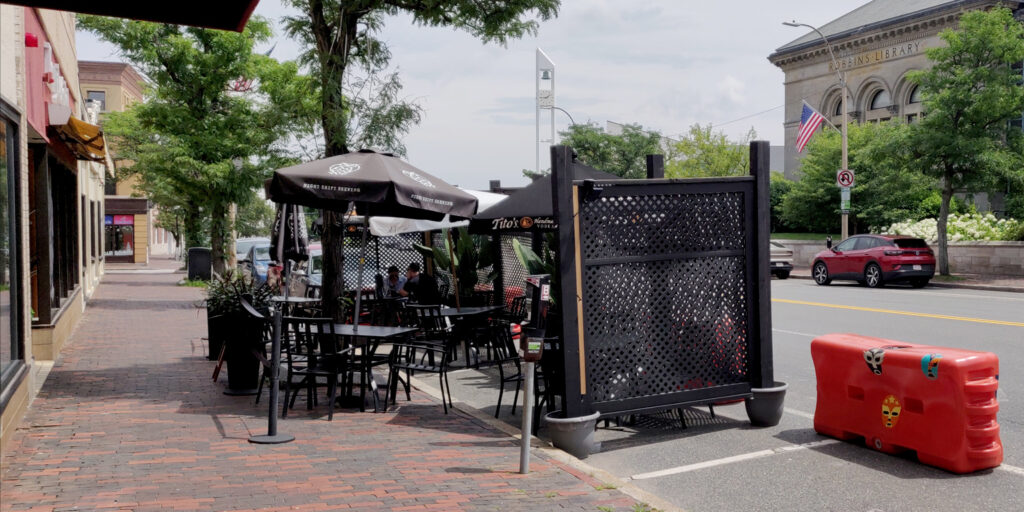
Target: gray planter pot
573,435
765,408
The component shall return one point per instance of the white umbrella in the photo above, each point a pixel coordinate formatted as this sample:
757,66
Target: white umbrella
390,226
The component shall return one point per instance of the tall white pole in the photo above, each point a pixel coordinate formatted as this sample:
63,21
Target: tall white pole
545,97
536,102
846,122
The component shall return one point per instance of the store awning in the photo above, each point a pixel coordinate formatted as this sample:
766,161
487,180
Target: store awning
224,15
84,139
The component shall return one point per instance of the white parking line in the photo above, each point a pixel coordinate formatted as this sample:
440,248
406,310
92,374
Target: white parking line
801,414
1012,469
795,333
730,460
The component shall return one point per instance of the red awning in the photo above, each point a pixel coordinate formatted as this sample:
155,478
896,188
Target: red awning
224,15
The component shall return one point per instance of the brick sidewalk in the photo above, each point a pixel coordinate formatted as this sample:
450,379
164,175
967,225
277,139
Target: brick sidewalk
129,420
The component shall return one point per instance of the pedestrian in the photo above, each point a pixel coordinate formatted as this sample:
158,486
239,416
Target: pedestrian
394,283
419,287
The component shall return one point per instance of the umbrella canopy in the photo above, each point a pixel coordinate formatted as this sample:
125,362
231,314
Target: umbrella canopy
390,226
288,239
529,208
379,183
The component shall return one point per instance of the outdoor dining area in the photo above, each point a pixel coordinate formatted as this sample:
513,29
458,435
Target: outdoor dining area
670,283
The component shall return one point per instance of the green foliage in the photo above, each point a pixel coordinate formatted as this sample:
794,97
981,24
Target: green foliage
255,218
472,255
780,187
196,146
888,188
703,152
622,155
224,293
198,283
969,93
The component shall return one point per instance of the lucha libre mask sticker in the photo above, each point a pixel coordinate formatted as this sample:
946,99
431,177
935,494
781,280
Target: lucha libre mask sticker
890,411
930,365
874,359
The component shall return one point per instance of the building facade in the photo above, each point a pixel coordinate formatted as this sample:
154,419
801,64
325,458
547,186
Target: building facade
53,166
877,45
130,233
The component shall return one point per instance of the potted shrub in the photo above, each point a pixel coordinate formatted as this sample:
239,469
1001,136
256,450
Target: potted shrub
231,328
472,255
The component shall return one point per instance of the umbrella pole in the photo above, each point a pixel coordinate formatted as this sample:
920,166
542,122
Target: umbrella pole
272,437
455,280
359,280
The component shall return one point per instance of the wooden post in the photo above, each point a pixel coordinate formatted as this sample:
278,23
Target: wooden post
562,173
655,166
760,169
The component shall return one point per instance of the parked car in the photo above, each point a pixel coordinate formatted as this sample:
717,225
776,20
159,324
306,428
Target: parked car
782,260
256,262
242,245
875,260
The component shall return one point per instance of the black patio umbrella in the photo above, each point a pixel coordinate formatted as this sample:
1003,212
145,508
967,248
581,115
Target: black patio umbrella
528,209
378,184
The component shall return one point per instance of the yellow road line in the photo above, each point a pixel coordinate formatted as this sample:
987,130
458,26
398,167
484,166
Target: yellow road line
904,313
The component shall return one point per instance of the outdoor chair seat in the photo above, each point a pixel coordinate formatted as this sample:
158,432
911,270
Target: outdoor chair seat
317,343
417,357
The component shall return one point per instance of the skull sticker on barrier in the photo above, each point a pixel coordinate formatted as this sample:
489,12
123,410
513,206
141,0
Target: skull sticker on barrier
930,365
891,411
874,359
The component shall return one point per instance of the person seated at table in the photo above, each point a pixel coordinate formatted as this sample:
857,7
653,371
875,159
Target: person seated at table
419,287
394,283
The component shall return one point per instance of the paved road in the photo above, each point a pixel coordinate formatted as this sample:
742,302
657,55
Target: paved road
722,464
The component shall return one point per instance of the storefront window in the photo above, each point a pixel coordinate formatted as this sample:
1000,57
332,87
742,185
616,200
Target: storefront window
120,235
10,341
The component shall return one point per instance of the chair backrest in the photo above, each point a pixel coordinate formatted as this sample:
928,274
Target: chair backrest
429,319
314,338
517,311
501,340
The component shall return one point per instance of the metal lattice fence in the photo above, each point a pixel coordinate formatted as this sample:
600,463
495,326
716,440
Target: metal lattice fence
667,280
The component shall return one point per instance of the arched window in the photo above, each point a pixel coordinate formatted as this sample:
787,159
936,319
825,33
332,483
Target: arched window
839,107
915,95
880,100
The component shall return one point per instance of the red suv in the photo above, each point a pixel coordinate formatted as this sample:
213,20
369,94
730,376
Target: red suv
875,260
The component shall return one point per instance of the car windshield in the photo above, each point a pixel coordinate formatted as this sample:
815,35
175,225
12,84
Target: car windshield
261,252
910,243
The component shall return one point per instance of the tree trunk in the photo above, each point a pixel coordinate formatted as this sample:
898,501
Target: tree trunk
947,196
333,286
219,236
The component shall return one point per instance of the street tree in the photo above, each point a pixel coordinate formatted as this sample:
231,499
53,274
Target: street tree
344,52
195,143
623,155
969,94
888,188
704,152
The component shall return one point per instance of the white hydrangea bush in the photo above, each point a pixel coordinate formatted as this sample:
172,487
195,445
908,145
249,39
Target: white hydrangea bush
967,227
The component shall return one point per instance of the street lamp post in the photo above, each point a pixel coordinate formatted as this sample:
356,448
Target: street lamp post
544,77
846,119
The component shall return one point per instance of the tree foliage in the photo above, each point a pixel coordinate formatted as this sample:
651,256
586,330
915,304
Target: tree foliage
623,155
345,53
888,187
704,152
195,144
969,94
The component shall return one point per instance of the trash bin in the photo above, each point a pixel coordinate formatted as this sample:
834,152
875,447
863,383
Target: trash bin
200,264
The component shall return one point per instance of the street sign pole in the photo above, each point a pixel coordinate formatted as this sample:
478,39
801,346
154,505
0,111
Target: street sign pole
845,180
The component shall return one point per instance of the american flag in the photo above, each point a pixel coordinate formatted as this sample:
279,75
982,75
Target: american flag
810,120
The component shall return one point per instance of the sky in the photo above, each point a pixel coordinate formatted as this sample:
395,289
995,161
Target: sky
664,64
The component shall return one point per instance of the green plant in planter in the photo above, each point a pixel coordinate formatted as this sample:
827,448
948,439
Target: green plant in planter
536,264
472,255
224,293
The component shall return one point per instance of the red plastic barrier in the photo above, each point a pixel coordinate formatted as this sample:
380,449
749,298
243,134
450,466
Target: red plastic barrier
938,402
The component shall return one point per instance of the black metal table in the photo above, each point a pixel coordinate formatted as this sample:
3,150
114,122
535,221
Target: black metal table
289,303
368,338
470,311
471,316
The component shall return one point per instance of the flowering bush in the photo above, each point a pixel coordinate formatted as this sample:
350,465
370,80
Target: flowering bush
965,227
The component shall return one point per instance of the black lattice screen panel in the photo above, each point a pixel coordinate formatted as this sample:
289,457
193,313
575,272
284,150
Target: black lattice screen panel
667,283
513,272
381,253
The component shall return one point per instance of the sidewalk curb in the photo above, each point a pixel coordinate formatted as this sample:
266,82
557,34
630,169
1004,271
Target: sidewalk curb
558,456
966,286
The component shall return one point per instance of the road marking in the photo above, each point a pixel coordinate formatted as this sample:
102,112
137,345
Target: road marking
795,412
904,313
730,460
967,295
1011,469
796,333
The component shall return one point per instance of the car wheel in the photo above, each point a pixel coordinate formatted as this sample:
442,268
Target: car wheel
873,276
919,282
820,273
783,275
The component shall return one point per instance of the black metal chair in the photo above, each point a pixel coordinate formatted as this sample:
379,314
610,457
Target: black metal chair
507,360
516,312
316,341
417,357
